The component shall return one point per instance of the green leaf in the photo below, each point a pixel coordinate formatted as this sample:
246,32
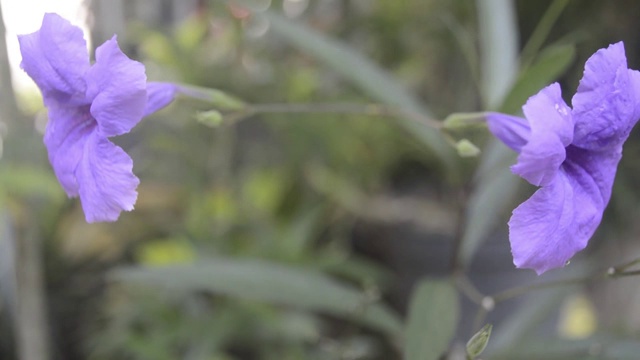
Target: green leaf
498,40
268,282
542,31
551,63
365,74
433,317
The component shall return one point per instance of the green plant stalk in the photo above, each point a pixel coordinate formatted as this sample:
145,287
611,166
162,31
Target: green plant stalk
611,273
218,98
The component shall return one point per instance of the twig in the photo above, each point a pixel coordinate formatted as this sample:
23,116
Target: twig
378,110
522,290
610,273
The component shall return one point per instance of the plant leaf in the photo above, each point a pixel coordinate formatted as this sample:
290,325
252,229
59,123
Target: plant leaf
433,317
551,63
268,282
542,31
498,40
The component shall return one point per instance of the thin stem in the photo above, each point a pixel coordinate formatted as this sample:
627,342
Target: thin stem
218,98
625,266
378,110
456,264
521,290
468,289
625,274
479,319
612,272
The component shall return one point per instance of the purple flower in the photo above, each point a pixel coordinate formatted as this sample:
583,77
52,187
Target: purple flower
572,154
87,104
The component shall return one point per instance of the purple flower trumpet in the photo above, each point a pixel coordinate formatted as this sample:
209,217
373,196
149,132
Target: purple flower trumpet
86,105
572,154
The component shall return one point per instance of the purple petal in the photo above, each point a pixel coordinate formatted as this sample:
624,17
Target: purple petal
513,131
107,183
554,224
117,86
594,171
65,137
634,79
559,219
159,95
551,131
604,107
56,58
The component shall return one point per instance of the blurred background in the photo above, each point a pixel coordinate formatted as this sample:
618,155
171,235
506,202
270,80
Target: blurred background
343,228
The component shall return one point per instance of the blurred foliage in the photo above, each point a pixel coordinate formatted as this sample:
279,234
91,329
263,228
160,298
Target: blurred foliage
432,320
241,245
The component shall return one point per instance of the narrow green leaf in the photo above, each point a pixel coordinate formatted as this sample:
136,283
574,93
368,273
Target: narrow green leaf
268,282
542,30
498,35
551,63
433,317
365,74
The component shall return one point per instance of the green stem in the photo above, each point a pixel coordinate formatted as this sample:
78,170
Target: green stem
377,110
467,288
625,274
217,98
611,273
522,290
465,120
625,266
479,319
